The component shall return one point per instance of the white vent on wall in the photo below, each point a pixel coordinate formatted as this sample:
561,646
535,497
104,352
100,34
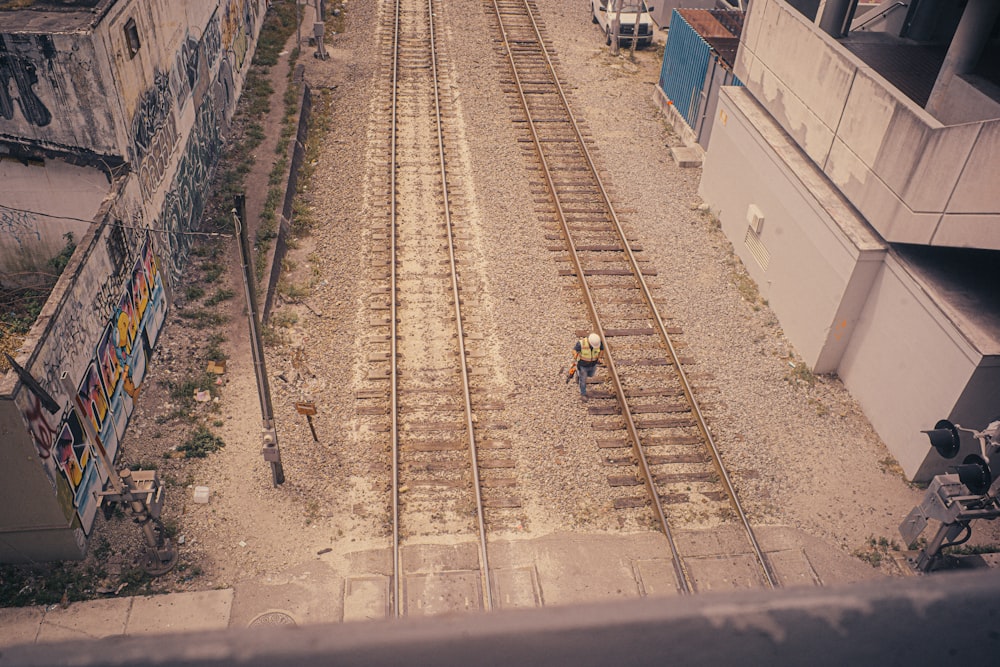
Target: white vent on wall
755,221
755,218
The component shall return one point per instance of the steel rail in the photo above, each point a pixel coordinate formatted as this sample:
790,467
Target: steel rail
484,567
664,335
397,575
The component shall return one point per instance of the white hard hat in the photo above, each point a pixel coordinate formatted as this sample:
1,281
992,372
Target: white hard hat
594,340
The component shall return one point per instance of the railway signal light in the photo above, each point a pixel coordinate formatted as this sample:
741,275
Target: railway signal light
944,438
957,498
975,474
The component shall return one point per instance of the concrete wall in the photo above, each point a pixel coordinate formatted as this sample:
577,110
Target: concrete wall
178,94
914,179
41,202
170,103
97,329
52,93
813,258
909,364
164,107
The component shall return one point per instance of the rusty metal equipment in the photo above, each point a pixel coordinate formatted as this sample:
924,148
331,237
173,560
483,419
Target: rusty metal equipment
955,499
143,493
269,435
140,490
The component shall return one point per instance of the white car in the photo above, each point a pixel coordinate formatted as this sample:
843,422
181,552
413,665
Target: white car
603,13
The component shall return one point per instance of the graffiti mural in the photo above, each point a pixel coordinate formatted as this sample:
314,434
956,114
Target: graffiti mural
184,203
153,133
23,74
43,433
238,28
20,225
211,40
105,396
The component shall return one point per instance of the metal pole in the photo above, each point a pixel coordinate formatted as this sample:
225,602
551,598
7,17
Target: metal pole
635,29
616,24
270,437
298,24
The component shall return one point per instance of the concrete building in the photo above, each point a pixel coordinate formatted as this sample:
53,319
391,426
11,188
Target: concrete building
856,175
112,119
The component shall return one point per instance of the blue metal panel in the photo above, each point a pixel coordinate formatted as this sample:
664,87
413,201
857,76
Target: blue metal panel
685,63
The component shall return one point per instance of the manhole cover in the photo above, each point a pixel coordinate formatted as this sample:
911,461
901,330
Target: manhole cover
272,618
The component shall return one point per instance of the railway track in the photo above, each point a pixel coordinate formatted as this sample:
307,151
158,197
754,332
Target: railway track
440,438
651,407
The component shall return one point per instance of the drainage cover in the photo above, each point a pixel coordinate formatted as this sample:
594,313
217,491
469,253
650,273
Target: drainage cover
272,618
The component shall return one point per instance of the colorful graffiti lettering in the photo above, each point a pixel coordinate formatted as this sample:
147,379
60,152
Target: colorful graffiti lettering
128,322
108,358
238,22
42,432
93,398
72,451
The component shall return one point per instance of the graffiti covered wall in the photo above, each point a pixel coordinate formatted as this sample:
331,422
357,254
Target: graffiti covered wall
98,345
178,121
102,322
51,93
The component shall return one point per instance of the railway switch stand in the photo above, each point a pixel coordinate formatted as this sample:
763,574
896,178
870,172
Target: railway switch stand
955,499
142,492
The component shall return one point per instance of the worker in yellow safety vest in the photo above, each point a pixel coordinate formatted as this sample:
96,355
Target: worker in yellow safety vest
587,353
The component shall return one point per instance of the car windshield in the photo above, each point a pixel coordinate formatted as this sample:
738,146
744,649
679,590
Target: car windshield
627,7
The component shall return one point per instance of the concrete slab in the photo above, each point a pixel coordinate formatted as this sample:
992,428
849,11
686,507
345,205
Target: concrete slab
367,598
656,577
687,156
438,557
724,573
820,561
559,569
791,567
20,625
580,568
516,588
180,612
312,592
437,593
86,620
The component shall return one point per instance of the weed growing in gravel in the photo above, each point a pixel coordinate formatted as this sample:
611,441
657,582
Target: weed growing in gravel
971,549
201,443
201,317
184,392
22,585
293,292
800,374
876,551
213,271
891,466
194,292
272,336
220,295
214,350
137,580
821,409
284,319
